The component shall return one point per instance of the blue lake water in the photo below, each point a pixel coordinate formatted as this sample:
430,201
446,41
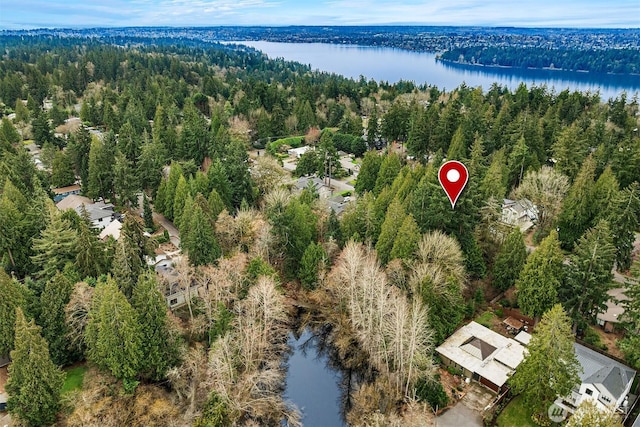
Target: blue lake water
312,385
392,65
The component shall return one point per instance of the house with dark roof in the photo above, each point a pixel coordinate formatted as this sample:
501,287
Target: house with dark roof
482,355
604,380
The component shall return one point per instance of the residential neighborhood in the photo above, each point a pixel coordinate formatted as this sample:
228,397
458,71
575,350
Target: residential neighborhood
195,232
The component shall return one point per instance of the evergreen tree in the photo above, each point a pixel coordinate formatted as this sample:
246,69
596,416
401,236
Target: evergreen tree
122,269
56,246
219,181
147,213
129,142
310,264
305,115
589,277
181,193
53,300
175,172
150,164
569,150
605,189
509,261
294,228
368,172
34,382
389,169
42,132
101,161
550,369
541,277
406,241
159,350
519,160
419,135
458,148
22,113
238,174
630,319
334,230
8,133
113,334
199,242
577,211
131,248
62,173
124,181
78,147
12,203
395,123
373,129
390,227
11,297
194,136
216,204
623,215
90,260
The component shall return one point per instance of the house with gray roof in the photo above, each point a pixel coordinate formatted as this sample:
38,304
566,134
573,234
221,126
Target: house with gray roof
610,318
482,355
519,213
604,380
101,214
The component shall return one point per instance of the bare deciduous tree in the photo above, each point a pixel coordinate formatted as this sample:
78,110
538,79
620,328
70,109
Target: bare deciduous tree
546,188
393,331
76,313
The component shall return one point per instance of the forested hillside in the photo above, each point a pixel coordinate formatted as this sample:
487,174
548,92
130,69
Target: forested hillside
170,126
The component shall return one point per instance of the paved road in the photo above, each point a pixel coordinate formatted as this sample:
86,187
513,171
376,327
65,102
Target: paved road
174,234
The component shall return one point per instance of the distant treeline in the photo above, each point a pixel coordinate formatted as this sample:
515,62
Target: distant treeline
594,50
618,61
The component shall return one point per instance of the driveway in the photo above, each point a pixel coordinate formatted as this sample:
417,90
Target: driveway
468,411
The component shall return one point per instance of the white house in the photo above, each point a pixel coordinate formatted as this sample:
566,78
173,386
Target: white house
482,354
298,152
604,380
519,213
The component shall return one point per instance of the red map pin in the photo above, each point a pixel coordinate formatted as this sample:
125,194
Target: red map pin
453,176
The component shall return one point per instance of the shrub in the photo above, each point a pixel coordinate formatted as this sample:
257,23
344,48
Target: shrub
453,370
592,337
432,392
273,148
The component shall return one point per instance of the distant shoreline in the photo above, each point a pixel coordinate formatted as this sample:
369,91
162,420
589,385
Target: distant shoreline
511,67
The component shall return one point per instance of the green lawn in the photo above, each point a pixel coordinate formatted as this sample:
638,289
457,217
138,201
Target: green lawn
74,379
515,415
486,319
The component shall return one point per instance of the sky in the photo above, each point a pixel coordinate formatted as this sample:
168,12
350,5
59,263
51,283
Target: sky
18,14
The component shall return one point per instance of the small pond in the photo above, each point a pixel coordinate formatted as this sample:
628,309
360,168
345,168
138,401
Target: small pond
313,382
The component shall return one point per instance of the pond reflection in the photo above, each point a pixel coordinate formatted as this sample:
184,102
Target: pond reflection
315,383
